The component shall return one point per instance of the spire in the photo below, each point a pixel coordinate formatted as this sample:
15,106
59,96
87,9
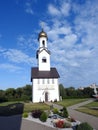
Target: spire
42,34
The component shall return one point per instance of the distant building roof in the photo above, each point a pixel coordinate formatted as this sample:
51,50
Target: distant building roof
35,73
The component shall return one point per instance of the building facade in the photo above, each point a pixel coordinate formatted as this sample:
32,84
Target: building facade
44,78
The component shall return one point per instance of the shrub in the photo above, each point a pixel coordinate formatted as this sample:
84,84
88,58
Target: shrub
36,113
43,117
55,111
64,112
25,115
84,126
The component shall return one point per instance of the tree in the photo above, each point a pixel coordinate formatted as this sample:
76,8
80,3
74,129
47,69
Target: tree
27,92
10,93
62,91
19,92
88,92
2,96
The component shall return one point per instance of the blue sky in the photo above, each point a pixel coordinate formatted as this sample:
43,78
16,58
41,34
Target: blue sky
72,28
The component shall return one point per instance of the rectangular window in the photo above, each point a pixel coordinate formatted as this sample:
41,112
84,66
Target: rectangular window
52,81
48,81
43,60
43,81
38,81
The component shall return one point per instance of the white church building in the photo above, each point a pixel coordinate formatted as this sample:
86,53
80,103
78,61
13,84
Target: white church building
44,78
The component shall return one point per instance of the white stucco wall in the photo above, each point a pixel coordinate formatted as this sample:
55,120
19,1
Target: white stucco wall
41,43
39,89
44,66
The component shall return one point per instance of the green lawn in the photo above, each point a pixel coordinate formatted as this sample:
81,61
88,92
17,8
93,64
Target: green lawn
28,107
70,102
89,108
8,103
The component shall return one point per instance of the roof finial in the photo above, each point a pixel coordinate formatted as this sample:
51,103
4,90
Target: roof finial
42,25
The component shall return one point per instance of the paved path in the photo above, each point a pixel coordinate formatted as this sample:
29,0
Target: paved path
82,117
30,125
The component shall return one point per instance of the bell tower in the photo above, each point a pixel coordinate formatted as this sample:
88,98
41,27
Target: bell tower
43,54
44,78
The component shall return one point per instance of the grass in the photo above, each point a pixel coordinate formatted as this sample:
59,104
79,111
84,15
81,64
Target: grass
89,109
70,102
8,103
28,106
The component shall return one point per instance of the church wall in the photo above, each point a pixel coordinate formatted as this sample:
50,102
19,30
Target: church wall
44,66
40,89
41,42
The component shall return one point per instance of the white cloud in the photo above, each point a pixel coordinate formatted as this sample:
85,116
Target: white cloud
74,44
62,10
65,8
28,8
53,10
17,56
27,43
10,67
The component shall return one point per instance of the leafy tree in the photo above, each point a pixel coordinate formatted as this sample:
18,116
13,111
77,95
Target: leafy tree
10,93
88,92
27,91
19,92
62,91
2,96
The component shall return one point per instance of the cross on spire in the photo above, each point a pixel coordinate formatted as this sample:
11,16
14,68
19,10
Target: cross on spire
42,25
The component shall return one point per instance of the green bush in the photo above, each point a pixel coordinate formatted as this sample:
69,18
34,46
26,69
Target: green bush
64,112
55,111
25,115
43,117
84,126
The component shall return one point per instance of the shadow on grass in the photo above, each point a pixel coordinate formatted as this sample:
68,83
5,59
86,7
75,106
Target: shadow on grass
11,116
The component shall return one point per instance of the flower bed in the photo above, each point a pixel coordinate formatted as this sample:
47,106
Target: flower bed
61,123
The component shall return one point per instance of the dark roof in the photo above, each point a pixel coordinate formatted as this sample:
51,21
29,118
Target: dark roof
35,73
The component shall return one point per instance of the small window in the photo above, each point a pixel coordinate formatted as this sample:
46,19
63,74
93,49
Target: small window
44,60
52,81
38,81
43,81
43,42
47,81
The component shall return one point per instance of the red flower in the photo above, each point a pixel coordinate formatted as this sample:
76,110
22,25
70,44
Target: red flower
60,124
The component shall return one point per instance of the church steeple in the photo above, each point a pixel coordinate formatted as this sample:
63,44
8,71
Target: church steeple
42,34
43,54
42,38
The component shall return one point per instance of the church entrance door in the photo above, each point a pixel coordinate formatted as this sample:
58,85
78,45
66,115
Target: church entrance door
46,96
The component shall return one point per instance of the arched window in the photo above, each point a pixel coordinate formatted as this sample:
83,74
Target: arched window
43,42
44,60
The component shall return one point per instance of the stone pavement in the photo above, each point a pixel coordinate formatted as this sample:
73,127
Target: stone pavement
31,125
82,117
